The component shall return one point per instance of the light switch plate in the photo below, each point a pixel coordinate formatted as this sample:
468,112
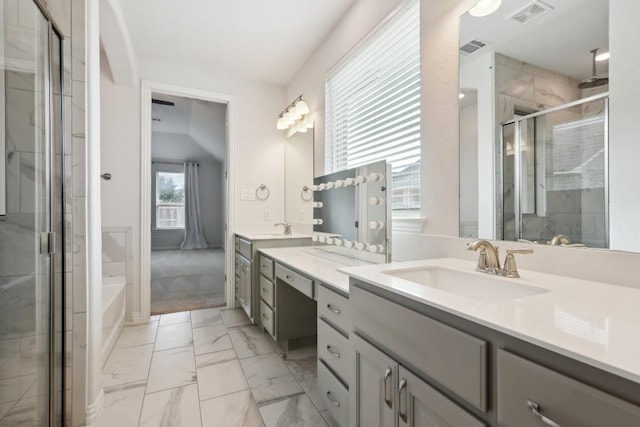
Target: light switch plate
247,195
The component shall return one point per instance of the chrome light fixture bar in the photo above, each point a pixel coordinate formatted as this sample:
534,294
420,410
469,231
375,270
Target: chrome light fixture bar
294,112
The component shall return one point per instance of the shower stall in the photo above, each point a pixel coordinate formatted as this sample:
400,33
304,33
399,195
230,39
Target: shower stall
555,174
32,212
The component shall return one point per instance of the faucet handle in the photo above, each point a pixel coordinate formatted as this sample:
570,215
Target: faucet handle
483,261
510,268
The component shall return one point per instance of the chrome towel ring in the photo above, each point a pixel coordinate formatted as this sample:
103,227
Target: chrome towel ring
263,192
306,190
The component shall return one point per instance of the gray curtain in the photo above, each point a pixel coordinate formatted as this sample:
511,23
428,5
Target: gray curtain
193,235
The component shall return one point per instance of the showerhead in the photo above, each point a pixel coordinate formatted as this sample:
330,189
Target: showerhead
593,81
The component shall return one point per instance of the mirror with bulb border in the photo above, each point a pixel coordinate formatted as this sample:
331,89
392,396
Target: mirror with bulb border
536,159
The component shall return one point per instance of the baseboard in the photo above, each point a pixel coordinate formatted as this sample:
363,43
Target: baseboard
95,409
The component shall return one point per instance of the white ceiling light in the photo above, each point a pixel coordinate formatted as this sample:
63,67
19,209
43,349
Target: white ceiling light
485,7
603,56
294,116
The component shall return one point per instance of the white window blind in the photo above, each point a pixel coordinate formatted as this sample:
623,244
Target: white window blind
373,107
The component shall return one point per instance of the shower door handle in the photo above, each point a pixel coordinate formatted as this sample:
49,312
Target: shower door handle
47,243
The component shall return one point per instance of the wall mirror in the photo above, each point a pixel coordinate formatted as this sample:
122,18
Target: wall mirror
535,151
351,212
298,176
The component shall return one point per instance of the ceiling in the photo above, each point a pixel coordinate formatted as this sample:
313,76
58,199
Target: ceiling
559,40
267,41
203,121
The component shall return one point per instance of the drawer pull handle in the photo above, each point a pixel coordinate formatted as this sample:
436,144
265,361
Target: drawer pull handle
333,309
333,402
289,278
535,408
402,411
387,375
264,289
333,353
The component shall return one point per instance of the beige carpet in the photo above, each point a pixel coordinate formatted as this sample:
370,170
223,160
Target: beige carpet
187,280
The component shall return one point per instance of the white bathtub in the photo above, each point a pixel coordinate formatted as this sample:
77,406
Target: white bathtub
113,309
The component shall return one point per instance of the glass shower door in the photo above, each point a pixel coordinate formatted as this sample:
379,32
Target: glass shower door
30,214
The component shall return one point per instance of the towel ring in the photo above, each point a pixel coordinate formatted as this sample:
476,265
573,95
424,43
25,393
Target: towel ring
306,189
263,192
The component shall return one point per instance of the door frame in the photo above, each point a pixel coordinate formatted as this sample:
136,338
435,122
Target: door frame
147,89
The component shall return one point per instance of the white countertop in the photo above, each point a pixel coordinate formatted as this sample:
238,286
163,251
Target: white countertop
272,236
595,323
317,264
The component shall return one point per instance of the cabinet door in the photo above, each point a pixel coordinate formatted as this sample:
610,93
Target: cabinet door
371,387
420,405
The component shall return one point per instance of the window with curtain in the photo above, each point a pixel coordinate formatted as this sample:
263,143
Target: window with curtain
169,200
372,109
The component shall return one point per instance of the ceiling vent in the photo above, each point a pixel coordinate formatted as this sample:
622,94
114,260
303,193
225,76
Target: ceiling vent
472,46
531,12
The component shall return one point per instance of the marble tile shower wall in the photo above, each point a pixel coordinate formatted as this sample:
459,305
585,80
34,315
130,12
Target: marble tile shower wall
69,17
117,259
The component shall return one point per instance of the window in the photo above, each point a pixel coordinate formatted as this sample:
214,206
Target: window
373,108
169,200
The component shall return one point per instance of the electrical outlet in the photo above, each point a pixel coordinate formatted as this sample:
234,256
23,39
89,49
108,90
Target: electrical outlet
267,214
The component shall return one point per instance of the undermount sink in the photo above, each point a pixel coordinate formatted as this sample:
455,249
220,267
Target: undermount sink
270,234
476,286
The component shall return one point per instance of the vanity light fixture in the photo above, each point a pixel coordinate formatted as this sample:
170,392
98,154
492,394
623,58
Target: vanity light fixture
295,112
485,7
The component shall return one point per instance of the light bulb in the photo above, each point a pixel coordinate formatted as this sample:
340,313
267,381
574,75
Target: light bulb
330,185
314,238
374,176
282,123
373,201
329,241
361,179
337,242
348,244
317,221
485,7
603,56
321,187
317,204
349,181
374,225
339,183
301,108
322,239
360,246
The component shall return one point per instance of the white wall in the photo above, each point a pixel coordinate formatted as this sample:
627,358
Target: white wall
180,148
259,156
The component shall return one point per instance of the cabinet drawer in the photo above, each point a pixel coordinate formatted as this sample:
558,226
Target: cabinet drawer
563,400
244,247
451,357
334,308
266,267
334,395
295,280
266,291
266,318
333,348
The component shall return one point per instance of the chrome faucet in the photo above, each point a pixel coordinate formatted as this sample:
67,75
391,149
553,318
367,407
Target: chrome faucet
287,227
489,260
560,239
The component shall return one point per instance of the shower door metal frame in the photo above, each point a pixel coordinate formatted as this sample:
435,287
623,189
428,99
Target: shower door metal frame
518,159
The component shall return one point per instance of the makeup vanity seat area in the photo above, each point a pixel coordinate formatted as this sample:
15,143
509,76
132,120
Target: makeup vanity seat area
305,298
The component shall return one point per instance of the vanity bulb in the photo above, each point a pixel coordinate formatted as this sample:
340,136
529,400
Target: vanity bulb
360,246
374,176
337,242
374,201
349,181
329,241
374,225
339,183
321,187
317,221
317,204
330,185
361,179
314,187
322,239
376,248
348,244
314,238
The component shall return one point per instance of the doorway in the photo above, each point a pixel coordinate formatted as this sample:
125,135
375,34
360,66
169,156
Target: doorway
188,152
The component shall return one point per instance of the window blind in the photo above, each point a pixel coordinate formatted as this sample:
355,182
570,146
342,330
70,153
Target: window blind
372,108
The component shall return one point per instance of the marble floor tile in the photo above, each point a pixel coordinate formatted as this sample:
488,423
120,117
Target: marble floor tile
173,318
231,410
4,408
122,407
305,370
250,341
211,339
174,336
171,368
269,378
219,373
175,407
137,335
127,365
206,317
21,414
234,317
296,411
